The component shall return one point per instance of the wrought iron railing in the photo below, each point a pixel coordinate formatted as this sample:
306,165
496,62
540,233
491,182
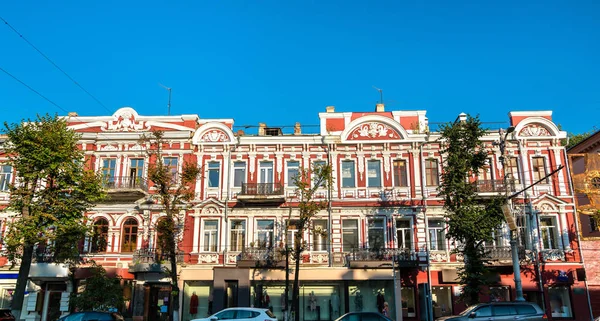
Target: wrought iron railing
125,182
43,255
153,255
262,189
262,254
491,186
382,254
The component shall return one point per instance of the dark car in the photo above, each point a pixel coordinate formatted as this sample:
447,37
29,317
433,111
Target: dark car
363,316
92,316
498,311
6,315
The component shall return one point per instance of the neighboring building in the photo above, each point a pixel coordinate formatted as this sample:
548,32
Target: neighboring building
585,170
384,206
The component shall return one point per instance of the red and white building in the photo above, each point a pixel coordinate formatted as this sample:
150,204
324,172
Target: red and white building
384,205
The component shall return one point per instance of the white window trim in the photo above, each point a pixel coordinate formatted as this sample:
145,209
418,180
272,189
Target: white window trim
381,179
10,177
256,230
342,172
546,169
367,229
445,228
313,161
207,179
557,232
260,167
229,229
286,177
410,230
202,234
311,234
358,230
232,178
439,170
407,172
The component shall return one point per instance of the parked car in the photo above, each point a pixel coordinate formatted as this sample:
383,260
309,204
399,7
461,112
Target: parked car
247,314
92,316
363,316
498,311
6,315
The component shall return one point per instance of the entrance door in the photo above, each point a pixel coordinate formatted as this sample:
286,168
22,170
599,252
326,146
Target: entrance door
231,294
159,307
52,301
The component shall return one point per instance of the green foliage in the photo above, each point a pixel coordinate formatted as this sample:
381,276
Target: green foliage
575,139
101,292
54,190
471,221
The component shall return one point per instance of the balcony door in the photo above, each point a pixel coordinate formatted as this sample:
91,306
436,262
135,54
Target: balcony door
136,170
265,179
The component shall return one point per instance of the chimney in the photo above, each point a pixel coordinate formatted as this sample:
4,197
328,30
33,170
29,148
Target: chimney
462,117
330,109
241,132
261,129
380,108
73,114
297,129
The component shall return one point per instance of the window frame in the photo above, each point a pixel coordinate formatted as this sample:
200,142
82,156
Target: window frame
130,233
210,248
400,173
237,230
513,170
356,230
315,236
378,176
102,235
213,167
554,229
109,173
443,228
315,163
535,169
172,163
405,230
236,170
289,180
432,180
5,177
270,233
371,228
352,172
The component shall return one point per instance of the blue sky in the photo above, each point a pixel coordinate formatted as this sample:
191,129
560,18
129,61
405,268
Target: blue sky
283,61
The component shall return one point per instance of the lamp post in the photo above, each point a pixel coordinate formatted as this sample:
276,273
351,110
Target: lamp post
507,210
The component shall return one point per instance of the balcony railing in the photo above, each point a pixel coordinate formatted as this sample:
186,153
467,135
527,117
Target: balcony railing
43,255
360,257
125,182
261,254
262,189
153,256
491,186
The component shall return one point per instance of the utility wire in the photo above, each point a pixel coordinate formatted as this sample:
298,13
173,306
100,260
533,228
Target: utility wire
54,64
30,88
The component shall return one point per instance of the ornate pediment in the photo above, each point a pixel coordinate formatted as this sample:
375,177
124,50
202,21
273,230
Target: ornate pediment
214,136
373,131
125,120
534,130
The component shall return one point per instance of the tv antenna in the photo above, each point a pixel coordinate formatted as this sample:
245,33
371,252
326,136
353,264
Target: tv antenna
380,94
168,104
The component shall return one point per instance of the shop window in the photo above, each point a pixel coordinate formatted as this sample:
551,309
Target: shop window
5,176
500,294
373,173
211,234
408,302
549,233
442,301
320,235
214,174
293,168
437,235
369,296
129,238
200,292
348,179
560,302
239,174
238,235
376,233
533,296
7,297
349,235
264,233
400,177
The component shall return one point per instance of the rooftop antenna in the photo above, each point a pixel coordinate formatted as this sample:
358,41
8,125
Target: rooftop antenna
380,94
169,104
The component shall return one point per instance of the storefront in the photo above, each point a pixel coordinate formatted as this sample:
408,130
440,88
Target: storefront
197,300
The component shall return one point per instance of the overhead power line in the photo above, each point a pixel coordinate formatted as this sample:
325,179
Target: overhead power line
54,64
30,88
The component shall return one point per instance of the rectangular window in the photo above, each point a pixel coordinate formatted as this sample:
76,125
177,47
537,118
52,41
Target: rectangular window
512,169
549,233
108,169
172,164
349,235
376,233
373,173
239,174
400,177
348,179
560,302
264,233
238,235
404,234
431,172
136,167
320,235
317,164
522,230
292,232
442,301
437,235
539,169
266,173
293,168
5,176
214,174
211,234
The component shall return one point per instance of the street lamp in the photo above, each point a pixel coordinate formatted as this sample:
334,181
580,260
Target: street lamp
508,215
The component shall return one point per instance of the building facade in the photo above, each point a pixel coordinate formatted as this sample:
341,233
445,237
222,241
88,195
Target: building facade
386,228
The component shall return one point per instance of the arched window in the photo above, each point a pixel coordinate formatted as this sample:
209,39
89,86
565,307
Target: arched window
99,236
129,238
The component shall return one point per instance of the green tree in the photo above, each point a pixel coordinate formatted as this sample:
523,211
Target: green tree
307,183
53,192
574,139
174,190
471,220
101,293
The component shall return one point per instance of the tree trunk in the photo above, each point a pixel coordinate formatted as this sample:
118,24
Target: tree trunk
287,284
296,291
174,278
19,295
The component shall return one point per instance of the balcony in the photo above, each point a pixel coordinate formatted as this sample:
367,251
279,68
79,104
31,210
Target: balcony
125,188
44,268
261,258
262,193
382,258
152,260
491,186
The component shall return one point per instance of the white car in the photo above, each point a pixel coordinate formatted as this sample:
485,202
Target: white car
245,314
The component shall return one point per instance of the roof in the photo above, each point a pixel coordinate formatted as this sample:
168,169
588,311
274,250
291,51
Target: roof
587,144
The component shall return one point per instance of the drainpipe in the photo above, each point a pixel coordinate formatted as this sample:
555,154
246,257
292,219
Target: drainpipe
329,194
225,211
427,245
585,282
